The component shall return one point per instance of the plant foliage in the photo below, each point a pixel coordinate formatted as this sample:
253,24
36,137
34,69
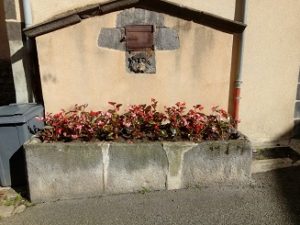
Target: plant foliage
139,122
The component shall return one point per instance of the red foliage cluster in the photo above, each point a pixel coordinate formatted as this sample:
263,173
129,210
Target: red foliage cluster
139,122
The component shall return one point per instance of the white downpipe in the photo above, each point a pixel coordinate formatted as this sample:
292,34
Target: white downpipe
240,67
27,13
239,79
28,47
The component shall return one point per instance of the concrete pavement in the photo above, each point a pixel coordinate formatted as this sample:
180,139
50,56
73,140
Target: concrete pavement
272,198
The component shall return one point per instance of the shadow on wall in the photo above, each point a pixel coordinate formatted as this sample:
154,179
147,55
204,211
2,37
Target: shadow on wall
28,56
30,64
12,38
7,87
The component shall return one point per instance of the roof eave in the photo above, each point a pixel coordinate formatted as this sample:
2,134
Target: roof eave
162,6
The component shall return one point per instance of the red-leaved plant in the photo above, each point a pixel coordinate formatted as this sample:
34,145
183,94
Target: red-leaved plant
139,122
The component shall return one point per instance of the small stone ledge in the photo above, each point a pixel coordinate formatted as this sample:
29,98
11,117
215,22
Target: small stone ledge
73,170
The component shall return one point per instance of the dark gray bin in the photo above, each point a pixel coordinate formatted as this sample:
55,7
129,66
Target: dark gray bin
17,124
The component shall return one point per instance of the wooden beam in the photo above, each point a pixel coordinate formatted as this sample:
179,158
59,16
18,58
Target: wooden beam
51,25
161,6
200,17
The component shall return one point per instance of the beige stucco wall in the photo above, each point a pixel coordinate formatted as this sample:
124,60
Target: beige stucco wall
45,9
270,68
73,66
75,70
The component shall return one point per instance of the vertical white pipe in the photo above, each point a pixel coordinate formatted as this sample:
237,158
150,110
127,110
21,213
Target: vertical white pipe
28,48
239,78
239,73
27,13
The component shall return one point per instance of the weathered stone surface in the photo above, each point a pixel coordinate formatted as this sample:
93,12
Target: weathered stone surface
150,62
139,17
111,38
175,152
132,167
217,162
71,170
6,211
166,39
64,170
11,194
19,209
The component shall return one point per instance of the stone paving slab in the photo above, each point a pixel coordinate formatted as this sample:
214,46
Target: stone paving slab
11,202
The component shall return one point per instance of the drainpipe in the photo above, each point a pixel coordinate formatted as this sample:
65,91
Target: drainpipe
239,72
28,23
27,13
31,55
32,58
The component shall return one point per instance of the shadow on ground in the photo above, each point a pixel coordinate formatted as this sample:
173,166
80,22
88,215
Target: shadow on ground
288,181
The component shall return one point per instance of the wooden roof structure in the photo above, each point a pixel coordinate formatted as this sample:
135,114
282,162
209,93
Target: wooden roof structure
161,6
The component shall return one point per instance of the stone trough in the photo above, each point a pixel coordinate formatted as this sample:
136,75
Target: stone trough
75,170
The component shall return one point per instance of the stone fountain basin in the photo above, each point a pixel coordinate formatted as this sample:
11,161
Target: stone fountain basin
76,170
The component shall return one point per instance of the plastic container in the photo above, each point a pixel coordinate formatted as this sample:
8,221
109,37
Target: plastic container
18,123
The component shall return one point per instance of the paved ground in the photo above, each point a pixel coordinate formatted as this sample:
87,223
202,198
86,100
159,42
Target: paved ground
273,198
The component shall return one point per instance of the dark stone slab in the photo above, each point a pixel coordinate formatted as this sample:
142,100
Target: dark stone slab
276,153
297,110
298,92
296,130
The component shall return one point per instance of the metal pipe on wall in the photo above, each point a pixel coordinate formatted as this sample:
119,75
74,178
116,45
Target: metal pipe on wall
239,72
27,13
32,58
